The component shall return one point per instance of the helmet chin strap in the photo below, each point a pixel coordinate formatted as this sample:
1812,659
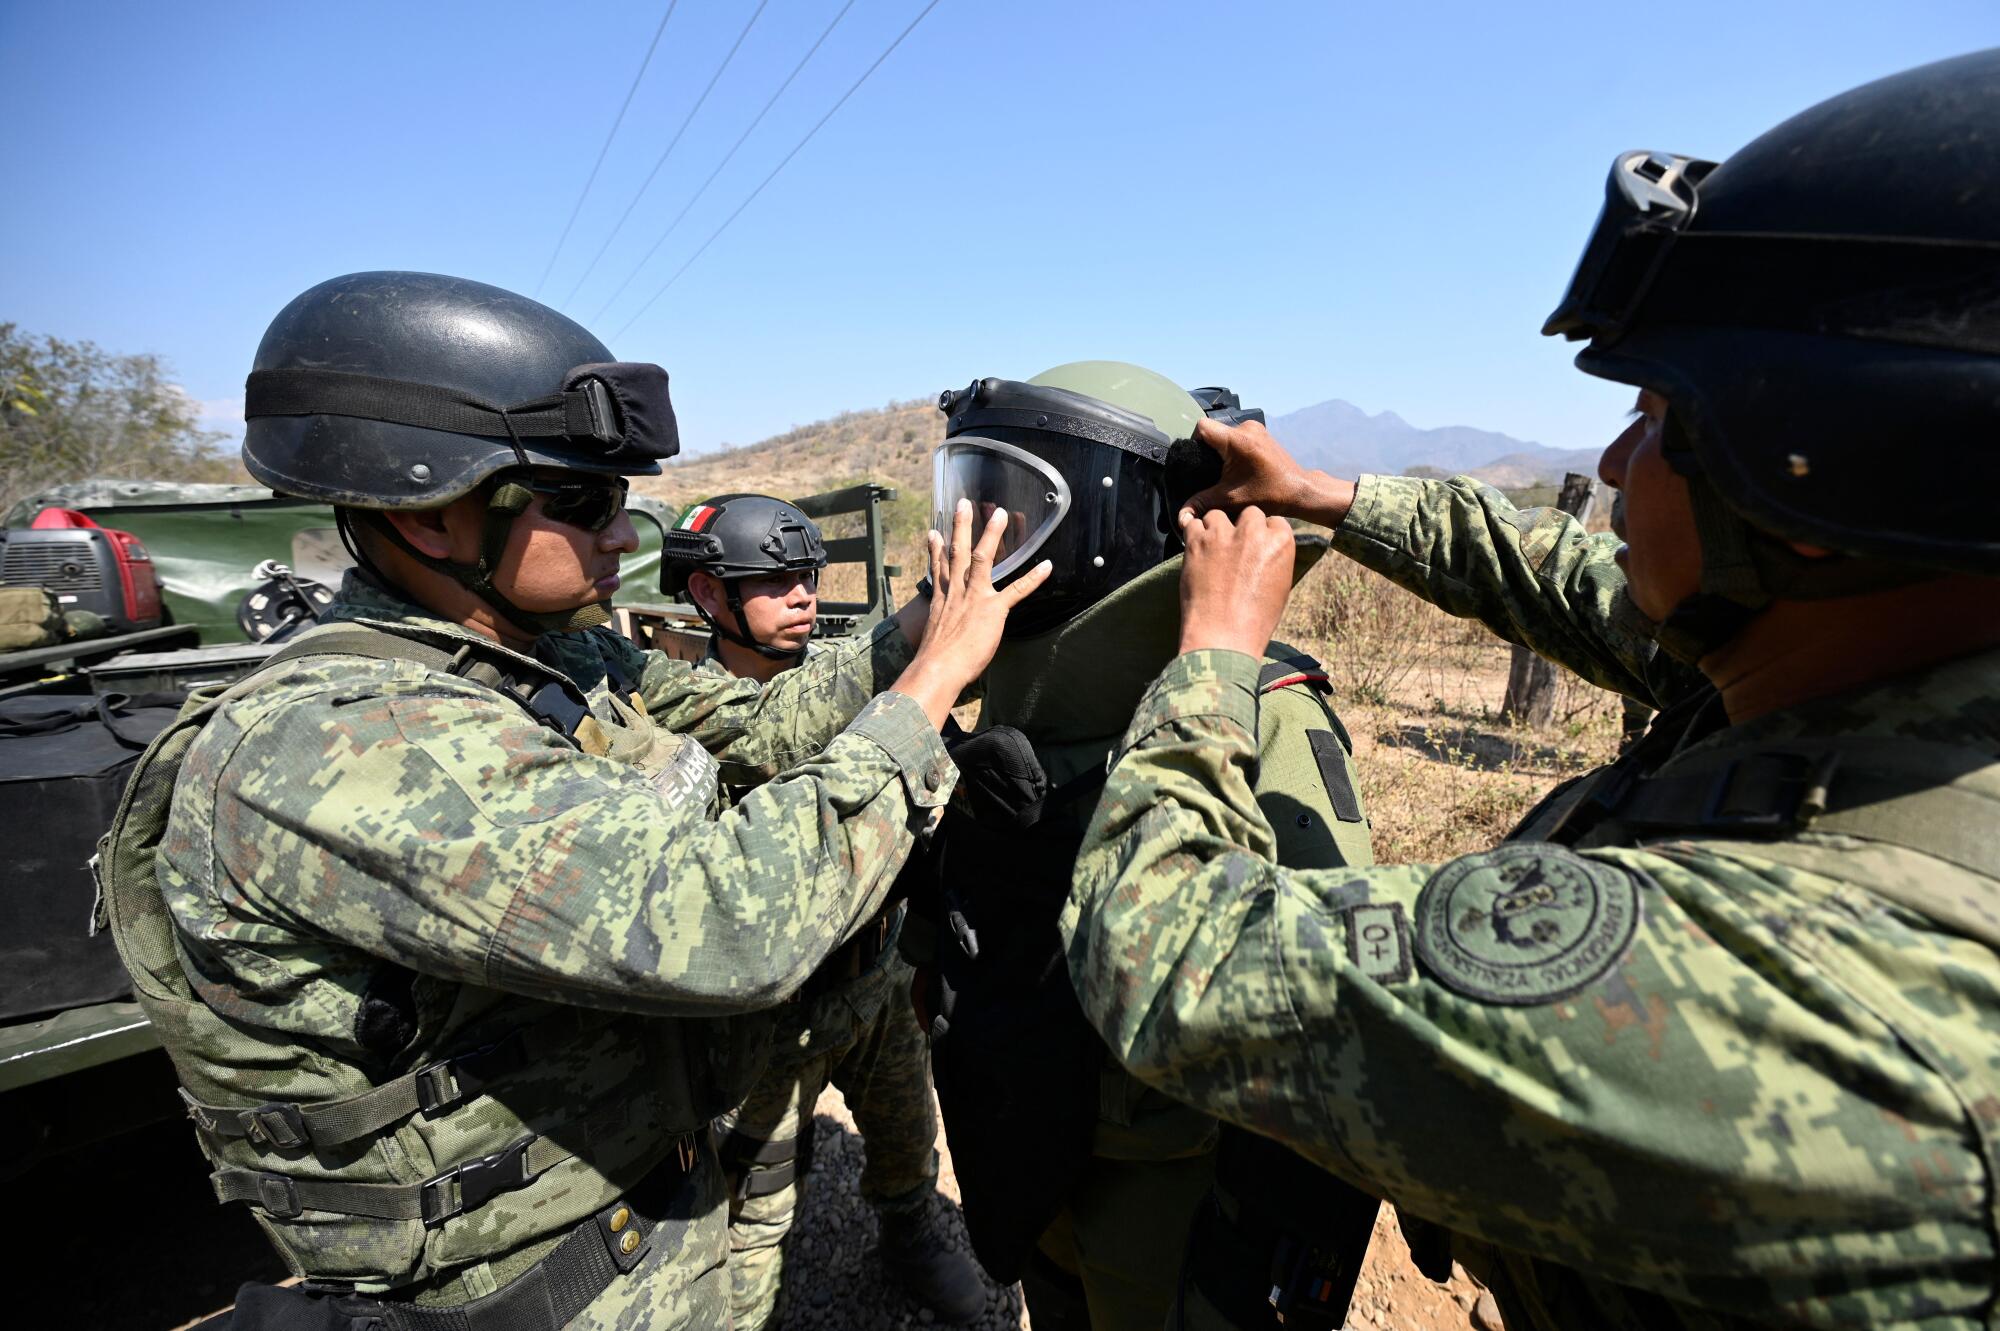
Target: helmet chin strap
507,502
734,595
1744,569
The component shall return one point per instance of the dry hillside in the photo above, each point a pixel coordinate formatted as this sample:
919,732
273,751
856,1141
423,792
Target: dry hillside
891,445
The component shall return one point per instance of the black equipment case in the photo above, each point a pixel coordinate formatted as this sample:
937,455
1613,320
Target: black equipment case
64,760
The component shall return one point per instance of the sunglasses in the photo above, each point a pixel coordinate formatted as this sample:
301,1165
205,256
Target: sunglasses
592,505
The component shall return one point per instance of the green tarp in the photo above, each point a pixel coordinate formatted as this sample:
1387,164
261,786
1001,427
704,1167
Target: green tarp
207,540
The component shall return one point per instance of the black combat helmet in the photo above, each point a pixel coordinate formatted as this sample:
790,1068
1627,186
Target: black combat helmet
1091,461
1822,314
737,536
395,390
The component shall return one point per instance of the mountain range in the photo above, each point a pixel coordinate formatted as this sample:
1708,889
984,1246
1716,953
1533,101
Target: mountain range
1341,438
893,444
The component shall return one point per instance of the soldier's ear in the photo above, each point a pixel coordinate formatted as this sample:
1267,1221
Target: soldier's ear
428,530
706,589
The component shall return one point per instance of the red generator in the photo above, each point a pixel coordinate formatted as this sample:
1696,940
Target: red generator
86,567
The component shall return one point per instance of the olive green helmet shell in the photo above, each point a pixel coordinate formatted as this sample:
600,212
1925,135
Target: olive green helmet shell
1170,407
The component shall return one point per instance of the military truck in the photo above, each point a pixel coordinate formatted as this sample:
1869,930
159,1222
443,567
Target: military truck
239,570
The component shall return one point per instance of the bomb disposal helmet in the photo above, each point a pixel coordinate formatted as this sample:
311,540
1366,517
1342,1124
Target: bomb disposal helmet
1090,460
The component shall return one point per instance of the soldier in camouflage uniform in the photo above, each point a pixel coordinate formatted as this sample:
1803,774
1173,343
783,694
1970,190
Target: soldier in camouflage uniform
750,564
1114,1204
451,950
1714,1039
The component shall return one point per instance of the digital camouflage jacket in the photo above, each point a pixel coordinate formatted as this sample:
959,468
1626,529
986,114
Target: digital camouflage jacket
370,866
1722,1078
829,1016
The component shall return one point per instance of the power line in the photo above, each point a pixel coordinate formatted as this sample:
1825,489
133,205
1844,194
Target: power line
779,167
599,163
713,80
696,197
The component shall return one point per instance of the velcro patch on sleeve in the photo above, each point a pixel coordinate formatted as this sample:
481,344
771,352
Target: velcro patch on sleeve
1331,757
1300,669
1378,941
1525,924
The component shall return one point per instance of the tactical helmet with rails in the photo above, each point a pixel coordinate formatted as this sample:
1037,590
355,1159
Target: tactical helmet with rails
733,537
388,390
1091,461
1821,313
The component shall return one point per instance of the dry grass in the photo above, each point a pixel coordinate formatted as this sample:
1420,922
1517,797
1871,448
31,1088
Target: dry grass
1420,692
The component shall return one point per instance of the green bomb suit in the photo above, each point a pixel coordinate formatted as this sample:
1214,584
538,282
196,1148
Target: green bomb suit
1124,1228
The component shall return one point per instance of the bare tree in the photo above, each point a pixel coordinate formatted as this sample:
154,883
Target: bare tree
1531,681
71,410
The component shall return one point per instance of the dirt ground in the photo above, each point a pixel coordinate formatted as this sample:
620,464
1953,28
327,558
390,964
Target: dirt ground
840,1285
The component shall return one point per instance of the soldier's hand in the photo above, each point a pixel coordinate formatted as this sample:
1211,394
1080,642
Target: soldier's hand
1256,470
1236,580
967,615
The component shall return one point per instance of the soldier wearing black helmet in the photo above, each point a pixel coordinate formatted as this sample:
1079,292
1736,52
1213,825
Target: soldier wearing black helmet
1714,1039
435,914
750,563
1116,1206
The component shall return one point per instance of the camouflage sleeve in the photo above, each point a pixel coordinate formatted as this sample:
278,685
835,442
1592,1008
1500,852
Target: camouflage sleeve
1630,1062
1533,576
756,732
426,822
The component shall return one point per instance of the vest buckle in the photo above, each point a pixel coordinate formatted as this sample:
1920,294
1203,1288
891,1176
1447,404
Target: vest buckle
437,1087
279,1196
1766,791
478,1181
279,1126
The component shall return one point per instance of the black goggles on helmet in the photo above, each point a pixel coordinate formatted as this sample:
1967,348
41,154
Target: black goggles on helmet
592,503
617,411
1649,199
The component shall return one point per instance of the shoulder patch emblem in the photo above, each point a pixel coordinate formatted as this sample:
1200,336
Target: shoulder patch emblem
1525,924
1378,941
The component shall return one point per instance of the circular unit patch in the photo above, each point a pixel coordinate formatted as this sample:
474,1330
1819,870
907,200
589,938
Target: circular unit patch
1525,924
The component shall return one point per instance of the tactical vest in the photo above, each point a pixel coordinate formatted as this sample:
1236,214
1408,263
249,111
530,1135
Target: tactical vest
1940,800
1023,1078
456,1148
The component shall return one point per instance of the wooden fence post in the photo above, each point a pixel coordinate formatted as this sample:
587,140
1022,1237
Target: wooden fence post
1531,681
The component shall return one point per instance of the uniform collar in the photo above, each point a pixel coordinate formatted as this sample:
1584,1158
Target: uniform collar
1953,702
362,600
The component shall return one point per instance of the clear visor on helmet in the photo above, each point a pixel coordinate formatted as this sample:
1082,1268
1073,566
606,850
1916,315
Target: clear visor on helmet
996,475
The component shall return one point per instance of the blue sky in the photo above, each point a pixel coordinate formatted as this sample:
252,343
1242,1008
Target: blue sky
1376,202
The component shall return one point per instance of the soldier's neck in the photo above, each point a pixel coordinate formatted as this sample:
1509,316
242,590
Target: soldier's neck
454,604
1797,651
746,664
